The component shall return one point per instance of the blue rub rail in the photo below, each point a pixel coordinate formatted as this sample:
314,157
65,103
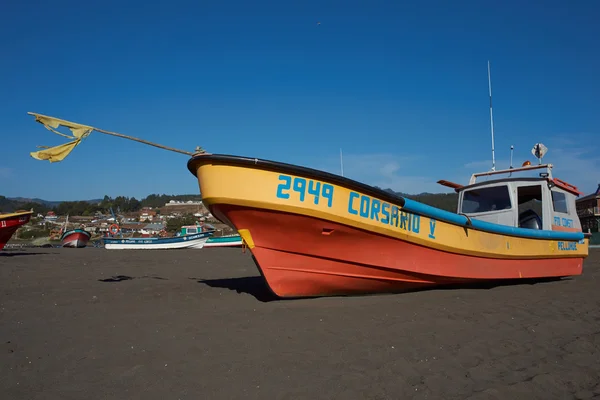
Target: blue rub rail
461,220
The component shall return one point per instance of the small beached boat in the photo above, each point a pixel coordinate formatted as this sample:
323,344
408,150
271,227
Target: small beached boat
10,222
214,241
314,233
192,241
74,238
225,241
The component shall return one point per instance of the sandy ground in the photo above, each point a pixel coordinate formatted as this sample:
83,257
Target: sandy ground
197,324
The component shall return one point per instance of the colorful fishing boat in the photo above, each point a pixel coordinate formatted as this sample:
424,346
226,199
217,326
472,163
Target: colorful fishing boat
10,222
214,241
225,241
74,238
192,241
314,233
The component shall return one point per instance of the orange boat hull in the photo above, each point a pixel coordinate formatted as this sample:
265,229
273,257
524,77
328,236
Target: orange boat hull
302,256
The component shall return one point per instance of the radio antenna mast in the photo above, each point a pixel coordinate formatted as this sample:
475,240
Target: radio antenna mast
491,117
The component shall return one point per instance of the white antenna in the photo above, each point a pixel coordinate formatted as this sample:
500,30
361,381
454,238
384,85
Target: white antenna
491,117
341,161
511,158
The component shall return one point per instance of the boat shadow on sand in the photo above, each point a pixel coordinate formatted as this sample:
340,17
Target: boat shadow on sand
252,285
258,288
16,254
120,278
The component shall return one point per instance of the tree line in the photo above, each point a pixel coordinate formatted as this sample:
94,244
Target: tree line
88,208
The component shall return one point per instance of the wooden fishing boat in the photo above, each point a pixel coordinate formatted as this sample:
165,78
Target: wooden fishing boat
192,241
225,241
314,233
214,241
74,238
10,222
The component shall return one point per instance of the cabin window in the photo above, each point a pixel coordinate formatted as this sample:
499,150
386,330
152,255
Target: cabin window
559,201
529,200
487,199
192,230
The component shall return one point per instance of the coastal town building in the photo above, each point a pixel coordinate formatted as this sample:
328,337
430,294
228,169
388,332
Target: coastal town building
588,210
147,214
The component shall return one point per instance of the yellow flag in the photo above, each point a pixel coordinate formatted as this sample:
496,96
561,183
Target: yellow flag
58,153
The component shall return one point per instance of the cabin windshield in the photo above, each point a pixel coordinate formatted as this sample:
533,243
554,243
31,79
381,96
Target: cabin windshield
486,199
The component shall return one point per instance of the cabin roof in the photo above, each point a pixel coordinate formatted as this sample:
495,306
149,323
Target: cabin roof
502,180
555,182
544,176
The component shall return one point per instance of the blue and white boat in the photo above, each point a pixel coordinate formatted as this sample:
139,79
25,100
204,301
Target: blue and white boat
193,241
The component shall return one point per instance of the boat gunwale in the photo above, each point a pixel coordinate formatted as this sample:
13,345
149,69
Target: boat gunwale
275,166
410,205
232,238
76,230
15,214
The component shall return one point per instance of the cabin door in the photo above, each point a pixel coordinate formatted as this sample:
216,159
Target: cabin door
532,210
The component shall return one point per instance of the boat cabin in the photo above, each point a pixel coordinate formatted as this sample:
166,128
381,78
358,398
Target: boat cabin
193,229
533,202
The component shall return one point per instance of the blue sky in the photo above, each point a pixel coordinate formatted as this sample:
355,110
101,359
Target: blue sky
401,88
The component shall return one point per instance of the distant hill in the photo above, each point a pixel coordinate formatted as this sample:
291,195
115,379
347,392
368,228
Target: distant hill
89,207
47,203
21,203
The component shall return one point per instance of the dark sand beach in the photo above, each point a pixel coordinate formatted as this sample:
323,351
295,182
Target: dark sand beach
196,324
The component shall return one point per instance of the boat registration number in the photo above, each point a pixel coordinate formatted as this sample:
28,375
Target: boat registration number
305,188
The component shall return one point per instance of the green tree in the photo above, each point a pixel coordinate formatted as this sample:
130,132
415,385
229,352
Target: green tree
175,224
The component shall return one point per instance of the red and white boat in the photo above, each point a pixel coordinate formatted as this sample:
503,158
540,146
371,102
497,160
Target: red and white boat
75,238
10,222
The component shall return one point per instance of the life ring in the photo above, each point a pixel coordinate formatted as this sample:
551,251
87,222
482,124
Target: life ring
114,229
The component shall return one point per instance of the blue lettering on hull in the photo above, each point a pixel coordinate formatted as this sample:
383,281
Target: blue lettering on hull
360,205
382,212
567,246
566,222
432,223
304,188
